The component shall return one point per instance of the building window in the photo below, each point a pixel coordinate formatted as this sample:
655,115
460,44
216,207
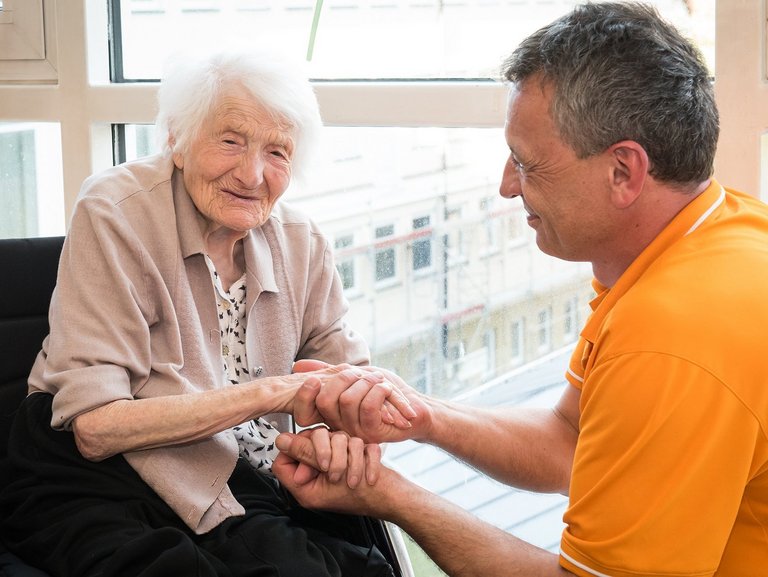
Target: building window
422,245
570,320
544,330
423,379
489,344
491,225
455,245
517,345
345,263
385,253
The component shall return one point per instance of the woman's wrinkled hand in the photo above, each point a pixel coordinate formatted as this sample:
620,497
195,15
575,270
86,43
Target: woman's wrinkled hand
366,402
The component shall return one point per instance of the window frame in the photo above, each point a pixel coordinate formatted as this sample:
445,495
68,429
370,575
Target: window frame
28,44
70,85
82,70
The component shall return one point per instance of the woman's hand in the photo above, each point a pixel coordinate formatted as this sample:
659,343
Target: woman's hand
355,399
377,407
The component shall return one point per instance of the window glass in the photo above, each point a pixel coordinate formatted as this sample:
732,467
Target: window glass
365,38
443,318
31,186
455,329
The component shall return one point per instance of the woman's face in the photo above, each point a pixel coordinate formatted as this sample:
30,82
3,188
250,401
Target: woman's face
239,164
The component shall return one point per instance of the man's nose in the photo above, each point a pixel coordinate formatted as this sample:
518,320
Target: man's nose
510,182
250,171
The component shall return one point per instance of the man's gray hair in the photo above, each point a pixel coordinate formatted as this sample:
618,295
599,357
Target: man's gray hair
620,72
192,85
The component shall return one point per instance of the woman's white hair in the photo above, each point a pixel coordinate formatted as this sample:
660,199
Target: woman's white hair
192,85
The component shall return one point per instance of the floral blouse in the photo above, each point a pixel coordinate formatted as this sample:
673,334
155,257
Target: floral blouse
255,438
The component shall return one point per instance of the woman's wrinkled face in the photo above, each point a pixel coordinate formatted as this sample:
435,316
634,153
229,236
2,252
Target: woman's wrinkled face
239,164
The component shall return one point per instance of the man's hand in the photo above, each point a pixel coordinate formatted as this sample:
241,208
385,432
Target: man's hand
330,471
378,407
338,456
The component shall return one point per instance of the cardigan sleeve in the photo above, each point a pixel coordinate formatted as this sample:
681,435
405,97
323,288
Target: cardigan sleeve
97,350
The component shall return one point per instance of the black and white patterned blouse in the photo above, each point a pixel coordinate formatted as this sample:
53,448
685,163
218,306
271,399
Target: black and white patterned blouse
256,438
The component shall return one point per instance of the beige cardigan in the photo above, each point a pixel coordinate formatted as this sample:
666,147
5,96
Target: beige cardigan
134,315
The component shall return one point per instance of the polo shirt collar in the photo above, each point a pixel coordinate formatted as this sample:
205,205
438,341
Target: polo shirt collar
690,218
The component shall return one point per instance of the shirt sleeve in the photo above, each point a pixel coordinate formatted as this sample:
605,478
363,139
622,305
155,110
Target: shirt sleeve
664,454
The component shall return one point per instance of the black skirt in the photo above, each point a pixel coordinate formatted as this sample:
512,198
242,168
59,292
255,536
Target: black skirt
72,517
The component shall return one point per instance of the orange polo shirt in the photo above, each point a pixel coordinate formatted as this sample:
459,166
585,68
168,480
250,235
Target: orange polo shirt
670,475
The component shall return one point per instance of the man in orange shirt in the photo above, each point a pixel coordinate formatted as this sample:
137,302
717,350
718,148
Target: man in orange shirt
660,437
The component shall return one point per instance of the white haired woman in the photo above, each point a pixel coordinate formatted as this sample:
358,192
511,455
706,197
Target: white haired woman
185,294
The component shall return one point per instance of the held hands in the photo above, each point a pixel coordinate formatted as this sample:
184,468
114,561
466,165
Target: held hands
329,470
373,404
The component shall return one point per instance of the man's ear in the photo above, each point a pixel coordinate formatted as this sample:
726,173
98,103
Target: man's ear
629,169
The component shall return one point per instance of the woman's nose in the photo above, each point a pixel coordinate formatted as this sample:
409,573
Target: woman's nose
250,172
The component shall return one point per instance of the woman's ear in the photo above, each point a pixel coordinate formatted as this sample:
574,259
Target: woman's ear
629,169
178,158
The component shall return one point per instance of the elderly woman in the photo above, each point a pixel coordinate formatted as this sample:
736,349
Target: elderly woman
185,294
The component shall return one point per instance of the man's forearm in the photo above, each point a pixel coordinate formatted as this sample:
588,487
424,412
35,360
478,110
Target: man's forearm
460,543
527,448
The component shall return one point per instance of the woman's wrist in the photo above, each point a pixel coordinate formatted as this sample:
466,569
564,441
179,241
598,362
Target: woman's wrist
274,394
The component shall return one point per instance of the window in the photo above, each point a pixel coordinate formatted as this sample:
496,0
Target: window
414,130
517,342
489,344
544,330
30,180
456,248
385,253
345,264
422,380
421,247
570,319
490,218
